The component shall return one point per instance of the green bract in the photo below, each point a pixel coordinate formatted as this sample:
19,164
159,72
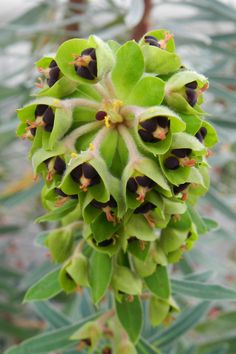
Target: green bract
119,138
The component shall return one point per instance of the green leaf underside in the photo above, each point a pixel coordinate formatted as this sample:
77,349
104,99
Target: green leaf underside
158,283
100,275
131,317
202,290
50,341
128,69
45,288
155,88
188,319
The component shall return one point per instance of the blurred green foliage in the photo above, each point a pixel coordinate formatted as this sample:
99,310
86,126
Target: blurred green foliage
205,32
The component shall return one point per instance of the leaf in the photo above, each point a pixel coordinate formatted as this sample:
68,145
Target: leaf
188,319
158,283
62,122
127,281
21,196
126,73
45,288
100,275
50,341
103,229
144,347
58,212
60,89
130,315
50,314
201,277
202,290
138,226
219,203
197,220
9,329
60,244
9,229
155,88
157,60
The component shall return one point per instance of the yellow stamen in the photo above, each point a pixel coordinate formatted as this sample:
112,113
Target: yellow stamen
117,104
73,155
107,121
81,60
91,147
56,103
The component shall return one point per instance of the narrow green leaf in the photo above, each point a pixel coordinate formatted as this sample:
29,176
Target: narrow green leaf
158,283
58,213
220,204
100,275
146,348
201,277
188,319
9,229
202,290
46,288
48,313
130,315
50,341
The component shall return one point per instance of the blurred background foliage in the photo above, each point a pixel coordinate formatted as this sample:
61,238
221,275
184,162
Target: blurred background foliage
205,34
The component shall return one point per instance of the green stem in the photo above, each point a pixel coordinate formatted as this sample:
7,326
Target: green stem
101,90
97,140
69,140
109,85
133,151
106,316
79,102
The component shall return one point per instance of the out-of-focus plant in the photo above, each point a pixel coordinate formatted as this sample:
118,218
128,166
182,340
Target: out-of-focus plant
205,35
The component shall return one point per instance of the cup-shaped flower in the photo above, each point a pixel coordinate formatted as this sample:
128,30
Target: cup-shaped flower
85,60
184,91
158,49
155,128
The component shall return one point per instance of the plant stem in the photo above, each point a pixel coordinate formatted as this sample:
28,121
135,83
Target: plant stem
79,102
133,152
109,85
70,139
106,316
101,90
98,139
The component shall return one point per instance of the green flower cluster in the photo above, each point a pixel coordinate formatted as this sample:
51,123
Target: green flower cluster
119,137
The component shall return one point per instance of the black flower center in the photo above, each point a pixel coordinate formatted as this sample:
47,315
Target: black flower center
155,129
140,185
144,208
201,134
85,175
86,64
151,40
171,163
180,188
191,93
54,73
